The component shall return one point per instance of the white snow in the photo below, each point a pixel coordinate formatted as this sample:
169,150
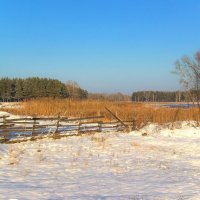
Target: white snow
9,105
165,164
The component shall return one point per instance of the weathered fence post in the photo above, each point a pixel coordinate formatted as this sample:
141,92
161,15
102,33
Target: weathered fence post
57,124
79,127
100,126
134,125
34,125
4,124
4,120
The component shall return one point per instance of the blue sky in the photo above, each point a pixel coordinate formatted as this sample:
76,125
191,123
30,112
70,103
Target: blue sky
104,45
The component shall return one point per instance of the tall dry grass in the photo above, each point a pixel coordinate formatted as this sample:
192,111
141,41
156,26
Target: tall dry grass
140,112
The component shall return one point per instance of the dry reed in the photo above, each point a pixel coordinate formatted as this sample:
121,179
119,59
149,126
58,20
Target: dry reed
128,111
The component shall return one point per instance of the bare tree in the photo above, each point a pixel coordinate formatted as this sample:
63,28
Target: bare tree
188,70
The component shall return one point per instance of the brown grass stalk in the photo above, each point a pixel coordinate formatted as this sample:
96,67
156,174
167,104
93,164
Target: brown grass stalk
128,111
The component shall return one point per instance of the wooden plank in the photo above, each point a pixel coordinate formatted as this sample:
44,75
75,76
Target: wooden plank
53,118
21,129
82,118
54,125
5,134
14,130
110,126
89,122
115,122
89,127
6,125
49,118
67,125
18,119
60,130
110,122
34,118
89,130
22,123
45,126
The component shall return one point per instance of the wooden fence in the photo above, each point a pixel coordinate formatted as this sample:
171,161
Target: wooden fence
37,126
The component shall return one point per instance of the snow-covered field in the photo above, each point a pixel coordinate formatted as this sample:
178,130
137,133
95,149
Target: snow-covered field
165,164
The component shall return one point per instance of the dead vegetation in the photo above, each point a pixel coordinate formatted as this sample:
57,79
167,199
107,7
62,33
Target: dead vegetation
139,113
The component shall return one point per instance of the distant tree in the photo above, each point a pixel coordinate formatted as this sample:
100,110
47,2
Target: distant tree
74,90
188,70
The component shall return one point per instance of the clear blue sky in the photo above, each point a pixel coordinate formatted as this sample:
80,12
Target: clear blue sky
104,45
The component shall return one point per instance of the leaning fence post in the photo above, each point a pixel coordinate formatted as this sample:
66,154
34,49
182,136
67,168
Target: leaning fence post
118,119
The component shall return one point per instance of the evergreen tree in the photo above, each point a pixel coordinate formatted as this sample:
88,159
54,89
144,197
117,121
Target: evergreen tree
35,87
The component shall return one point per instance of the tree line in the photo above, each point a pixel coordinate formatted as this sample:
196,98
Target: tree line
19,89
162,96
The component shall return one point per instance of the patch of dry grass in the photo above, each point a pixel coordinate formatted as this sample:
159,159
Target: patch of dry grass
128,111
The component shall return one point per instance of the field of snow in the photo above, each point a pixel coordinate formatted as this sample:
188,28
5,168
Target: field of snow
165,164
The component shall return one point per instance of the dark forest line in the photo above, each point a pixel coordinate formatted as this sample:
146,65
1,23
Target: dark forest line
17,89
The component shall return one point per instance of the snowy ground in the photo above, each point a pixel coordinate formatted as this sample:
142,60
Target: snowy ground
165,164
9,105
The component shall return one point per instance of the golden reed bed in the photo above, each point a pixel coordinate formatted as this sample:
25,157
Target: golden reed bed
140,112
